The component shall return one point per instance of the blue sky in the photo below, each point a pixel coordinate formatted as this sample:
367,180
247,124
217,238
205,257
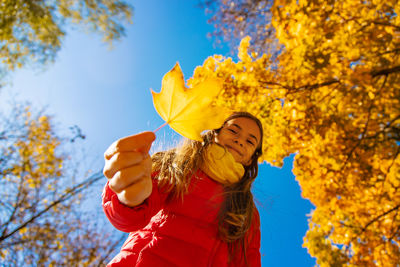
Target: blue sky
107,94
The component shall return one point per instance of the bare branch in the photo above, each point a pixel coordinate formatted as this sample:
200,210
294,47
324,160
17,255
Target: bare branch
67,195
385,71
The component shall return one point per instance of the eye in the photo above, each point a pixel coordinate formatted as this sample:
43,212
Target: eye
232,130
250,142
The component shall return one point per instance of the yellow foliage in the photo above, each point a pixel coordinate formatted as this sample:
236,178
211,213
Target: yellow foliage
38,210
32,32
333,98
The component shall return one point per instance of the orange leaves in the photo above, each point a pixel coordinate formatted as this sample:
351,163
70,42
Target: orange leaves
249,85
244,46
332,98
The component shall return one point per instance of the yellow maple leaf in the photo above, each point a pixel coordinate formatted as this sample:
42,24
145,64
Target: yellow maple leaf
188,110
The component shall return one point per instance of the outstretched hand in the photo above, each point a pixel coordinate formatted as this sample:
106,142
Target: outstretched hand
128,168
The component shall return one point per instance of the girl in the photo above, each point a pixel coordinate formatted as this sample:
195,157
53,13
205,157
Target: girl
189,206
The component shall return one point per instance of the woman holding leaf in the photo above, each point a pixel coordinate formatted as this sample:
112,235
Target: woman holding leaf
189,206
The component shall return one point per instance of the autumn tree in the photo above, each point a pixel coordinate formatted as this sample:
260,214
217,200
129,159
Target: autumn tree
32,31
331,95
42,220
233,20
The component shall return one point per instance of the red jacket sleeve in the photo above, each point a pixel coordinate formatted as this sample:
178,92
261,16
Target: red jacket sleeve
130,219
254,241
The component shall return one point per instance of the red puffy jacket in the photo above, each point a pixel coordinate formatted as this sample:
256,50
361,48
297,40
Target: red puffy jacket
177,233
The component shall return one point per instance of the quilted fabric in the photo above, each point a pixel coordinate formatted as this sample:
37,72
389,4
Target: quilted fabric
176,232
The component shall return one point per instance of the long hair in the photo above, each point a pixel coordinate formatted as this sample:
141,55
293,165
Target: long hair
176,166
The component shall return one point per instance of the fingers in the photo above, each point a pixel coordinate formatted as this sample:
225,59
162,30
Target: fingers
139,142
136,193
128,168
122,160
123,178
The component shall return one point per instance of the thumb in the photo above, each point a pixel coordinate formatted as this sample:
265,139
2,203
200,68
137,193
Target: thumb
148,140
139,142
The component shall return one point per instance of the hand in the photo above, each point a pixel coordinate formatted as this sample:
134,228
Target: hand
128,168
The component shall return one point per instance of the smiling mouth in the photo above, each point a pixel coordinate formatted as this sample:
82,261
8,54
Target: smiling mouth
234,149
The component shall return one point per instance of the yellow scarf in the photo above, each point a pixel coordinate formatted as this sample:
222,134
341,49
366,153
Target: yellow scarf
221,166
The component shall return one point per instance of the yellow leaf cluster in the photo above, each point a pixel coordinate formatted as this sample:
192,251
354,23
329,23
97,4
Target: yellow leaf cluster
333,99
31,32
245,86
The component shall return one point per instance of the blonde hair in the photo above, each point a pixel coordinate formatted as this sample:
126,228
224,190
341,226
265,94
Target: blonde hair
175,168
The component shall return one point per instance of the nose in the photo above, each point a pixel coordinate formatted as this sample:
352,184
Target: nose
238,141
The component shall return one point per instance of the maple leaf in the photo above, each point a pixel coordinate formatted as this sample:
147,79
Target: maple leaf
188,110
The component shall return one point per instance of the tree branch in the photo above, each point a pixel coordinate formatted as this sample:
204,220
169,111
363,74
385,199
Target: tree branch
378,217
110,250
385,71
383,23
15,208
68,194
330,82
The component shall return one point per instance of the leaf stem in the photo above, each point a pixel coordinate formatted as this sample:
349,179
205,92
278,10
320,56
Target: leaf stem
160,127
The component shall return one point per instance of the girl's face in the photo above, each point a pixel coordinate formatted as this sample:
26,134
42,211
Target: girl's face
241,137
